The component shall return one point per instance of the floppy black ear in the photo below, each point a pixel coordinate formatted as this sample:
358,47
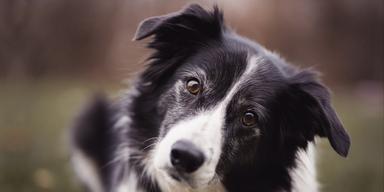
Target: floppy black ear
191,25
316,97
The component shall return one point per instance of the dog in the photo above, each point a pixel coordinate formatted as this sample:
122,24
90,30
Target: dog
212,111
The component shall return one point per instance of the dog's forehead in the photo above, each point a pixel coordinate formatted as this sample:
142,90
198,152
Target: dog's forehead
227,62
224,60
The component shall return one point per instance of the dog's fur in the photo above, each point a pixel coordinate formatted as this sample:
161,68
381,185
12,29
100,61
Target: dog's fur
125,145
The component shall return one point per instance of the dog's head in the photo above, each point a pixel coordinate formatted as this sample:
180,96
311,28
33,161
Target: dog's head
226,103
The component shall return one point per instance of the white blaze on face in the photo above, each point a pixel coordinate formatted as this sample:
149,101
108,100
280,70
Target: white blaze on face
205,130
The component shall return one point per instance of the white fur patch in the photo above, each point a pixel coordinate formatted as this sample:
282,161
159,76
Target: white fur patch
122,122
304,174
130,183
86,170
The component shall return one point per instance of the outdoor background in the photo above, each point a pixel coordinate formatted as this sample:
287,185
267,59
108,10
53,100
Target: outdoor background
55,53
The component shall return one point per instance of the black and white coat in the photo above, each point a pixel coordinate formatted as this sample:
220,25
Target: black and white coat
248,117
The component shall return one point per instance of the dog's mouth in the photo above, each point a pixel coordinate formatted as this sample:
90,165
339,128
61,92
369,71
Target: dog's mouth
175,176
179,178
187,180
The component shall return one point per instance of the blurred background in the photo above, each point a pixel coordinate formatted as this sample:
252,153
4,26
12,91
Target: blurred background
55,53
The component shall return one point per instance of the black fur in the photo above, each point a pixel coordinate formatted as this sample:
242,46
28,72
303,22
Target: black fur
292,106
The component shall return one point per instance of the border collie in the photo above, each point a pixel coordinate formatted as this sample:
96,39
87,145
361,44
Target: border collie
212,111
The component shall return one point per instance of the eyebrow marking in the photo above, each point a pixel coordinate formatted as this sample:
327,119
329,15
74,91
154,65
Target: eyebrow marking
252,65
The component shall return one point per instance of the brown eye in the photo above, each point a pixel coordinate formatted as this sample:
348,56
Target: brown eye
248,119
193,86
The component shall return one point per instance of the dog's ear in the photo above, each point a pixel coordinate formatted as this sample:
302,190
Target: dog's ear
184,28
175,37
315,97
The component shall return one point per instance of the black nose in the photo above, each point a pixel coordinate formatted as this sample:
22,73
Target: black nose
186,157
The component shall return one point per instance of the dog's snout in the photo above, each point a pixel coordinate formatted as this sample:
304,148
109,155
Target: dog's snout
186,157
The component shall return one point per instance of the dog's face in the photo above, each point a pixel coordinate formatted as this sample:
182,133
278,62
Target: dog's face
226,103
210,103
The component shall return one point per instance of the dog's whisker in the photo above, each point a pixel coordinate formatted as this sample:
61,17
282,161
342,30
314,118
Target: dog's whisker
115,160
149,146
150,139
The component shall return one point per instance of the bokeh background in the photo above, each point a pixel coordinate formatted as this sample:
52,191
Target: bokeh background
55,53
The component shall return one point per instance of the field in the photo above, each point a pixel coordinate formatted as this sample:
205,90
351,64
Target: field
35,115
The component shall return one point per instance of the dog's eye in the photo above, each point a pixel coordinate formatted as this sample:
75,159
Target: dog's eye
248,119
193,86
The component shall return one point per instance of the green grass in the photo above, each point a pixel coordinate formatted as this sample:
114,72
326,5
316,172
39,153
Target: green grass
34,118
